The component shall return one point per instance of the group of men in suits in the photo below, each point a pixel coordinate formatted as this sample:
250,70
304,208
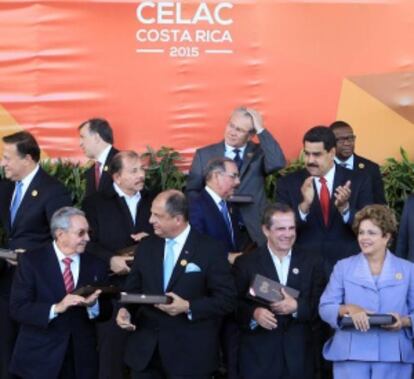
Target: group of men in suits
173,255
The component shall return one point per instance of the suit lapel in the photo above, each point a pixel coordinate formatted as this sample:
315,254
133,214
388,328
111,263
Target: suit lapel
8,195
247,157
266,263
361,275
53,273
158,263
126,213
185,257
295,269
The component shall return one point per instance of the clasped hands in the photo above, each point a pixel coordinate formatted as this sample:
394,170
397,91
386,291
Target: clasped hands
267,318
71,300
178,306
341,195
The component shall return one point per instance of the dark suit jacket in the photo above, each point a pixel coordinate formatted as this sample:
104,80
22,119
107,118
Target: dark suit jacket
262,352
405,241
259,160
111,223
105,182
31,225
41,345
365,166
337,240
187,347
207,219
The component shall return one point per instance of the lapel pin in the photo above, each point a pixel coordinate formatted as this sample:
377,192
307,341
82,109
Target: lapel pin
34,193
183,262
398,276
295,270
105,168
186,252
361,165
249,155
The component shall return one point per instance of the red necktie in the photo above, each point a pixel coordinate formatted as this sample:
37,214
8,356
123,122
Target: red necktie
97,173
324,199
67,275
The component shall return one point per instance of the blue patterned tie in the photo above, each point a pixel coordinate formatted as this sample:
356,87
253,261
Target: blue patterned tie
237,158
168,261
17,199
225,212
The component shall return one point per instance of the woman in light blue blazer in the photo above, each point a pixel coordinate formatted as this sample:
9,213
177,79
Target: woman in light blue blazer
374,281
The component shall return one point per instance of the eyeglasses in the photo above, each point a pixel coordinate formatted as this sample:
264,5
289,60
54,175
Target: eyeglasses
80,233
350,138
233,175
239,130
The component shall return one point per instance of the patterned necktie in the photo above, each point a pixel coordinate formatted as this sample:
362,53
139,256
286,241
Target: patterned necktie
17,199
97,174
168,261
344,164
324,199
237,158
225,213
67,275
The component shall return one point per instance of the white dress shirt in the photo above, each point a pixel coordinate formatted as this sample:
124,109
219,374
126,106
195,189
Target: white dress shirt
103,157
131,201
26,183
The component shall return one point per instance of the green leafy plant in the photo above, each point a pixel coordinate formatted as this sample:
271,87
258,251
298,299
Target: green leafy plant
398,177
162,171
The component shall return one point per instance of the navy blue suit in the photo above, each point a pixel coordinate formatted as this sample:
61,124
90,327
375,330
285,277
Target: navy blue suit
30,229
41,345
207,219
335,240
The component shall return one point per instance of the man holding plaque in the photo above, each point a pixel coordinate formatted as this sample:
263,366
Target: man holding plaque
28,198
180,339
57,337
276,336
119,219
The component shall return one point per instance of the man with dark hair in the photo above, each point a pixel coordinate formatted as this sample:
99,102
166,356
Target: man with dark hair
209,213
325,197
119,219
177,340
254,162
28,199
276,339
96,140
56,337
346,157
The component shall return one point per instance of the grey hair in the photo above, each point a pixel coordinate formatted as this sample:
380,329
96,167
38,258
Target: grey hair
216,165
61,219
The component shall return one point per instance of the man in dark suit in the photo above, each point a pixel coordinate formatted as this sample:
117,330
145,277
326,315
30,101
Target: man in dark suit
96,140
28,199
254,161
405,241
325,197
178,340
209,213
276,339
119,219
56,337
346,157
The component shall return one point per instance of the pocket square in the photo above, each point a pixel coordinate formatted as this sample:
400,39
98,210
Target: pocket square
192,267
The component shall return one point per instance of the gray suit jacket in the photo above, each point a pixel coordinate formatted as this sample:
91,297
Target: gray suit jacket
259,160
405,241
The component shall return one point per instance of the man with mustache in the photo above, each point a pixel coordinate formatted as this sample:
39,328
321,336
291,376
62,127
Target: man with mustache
325,197
119,219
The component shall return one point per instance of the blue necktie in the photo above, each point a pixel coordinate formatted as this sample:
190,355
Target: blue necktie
225,212
17,199
168,261
237,158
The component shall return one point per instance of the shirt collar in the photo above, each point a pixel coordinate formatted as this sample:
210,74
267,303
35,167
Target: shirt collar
182,237
329,176
104,155
231,148
60,256
349,162
28,178
274,255
121,193
217,199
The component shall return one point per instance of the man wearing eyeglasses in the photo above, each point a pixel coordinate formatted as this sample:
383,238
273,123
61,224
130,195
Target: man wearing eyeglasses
346,157
254,162
57,336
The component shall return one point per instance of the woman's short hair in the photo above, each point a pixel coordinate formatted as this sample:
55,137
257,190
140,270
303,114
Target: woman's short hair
380,215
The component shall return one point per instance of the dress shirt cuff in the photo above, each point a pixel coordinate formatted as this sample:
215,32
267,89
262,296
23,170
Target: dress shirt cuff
253,324
346,215
93,311
190,315
52,313
302,215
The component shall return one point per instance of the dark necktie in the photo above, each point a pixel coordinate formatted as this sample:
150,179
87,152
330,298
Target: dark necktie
237,158
97,173
225,213
324,200
67,275
344,164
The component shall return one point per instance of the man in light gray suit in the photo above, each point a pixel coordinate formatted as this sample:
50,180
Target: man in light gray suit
254,161
405,241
